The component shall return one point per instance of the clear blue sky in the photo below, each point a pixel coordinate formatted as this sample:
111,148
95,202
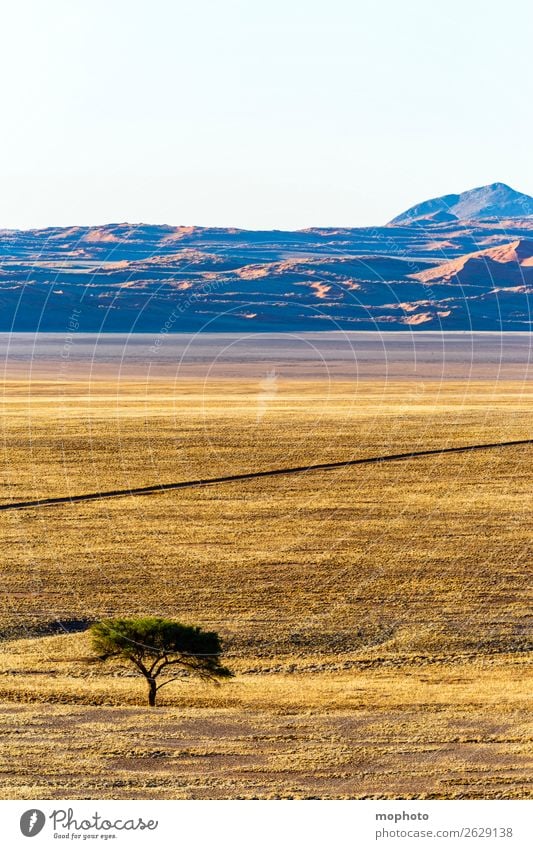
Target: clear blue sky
278,114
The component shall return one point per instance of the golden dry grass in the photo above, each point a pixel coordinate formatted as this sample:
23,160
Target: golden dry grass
379,618
427,730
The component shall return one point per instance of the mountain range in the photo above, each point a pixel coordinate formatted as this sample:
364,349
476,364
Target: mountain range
459,262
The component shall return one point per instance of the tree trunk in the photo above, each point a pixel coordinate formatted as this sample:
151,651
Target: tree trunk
152,690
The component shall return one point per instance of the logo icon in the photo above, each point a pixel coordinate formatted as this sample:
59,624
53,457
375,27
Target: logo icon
32,822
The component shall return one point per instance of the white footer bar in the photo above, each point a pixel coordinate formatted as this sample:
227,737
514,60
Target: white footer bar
507,824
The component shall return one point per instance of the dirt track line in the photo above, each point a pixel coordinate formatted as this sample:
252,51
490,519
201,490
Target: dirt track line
164,487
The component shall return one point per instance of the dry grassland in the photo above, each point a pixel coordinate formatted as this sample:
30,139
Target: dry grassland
378,618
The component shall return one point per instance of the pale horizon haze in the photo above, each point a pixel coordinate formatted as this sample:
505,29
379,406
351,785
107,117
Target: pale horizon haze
279,115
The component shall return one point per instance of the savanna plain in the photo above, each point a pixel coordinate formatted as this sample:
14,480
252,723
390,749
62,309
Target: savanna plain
377,618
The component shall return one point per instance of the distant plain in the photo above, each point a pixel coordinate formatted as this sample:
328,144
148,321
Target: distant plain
378,618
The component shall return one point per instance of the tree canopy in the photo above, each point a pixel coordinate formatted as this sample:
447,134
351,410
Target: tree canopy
158,646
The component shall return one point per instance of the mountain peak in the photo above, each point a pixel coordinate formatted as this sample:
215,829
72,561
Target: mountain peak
497,200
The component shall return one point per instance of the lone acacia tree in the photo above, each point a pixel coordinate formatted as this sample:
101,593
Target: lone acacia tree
157,646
